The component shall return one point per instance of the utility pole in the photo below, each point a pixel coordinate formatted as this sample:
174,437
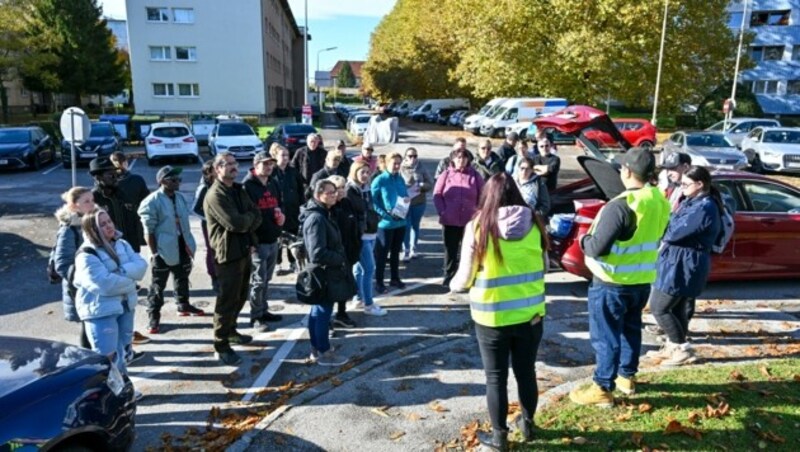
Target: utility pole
654,119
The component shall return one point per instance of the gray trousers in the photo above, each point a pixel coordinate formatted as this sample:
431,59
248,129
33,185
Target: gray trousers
263,265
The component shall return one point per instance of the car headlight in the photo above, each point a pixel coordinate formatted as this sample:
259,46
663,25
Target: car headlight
222,146
259,145
115,381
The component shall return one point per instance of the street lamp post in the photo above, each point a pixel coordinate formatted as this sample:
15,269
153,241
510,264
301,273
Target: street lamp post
729,113
660,61
305,56
319,91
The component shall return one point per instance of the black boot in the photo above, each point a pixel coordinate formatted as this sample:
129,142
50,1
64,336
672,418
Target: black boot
525,427
496,441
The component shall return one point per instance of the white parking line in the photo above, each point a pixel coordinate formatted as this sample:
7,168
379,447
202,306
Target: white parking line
133,163
50,170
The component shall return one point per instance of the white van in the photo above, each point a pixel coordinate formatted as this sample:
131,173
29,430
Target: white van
432,105
519,110
407,107
473,122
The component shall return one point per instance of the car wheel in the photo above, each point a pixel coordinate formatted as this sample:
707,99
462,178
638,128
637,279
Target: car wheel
523,134
647,144
36,162
757,166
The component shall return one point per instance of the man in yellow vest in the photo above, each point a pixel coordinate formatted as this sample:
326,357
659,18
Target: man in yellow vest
621,249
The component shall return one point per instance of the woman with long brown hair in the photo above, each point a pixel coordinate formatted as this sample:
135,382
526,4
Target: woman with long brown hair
502,264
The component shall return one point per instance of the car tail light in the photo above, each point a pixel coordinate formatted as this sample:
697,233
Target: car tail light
291,140
154,141
189,140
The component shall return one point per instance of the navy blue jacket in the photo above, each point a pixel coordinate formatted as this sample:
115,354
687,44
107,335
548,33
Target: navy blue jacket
684,260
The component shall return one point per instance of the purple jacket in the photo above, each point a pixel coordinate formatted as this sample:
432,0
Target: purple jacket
456,195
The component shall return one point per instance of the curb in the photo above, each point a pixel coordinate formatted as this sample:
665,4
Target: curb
312,393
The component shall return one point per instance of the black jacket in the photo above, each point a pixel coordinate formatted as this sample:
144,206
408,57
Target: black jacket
232,221
266,198
324,173
321,236
134,187
506,151
361,201
553,163
346,219
291,187
308,162
122,211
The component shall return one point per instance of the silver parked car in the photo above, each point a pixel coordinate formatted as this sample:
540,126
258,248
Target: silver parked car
739,127
709,149
773,148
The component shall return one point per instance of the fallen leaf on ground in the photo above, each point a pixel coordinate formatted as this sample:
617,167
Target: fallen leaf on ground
436,406
736,375
579,440
764,371
673,427
645,407
380,411
336,382
676,427
396,435
414,417
624,416
723,409
796,377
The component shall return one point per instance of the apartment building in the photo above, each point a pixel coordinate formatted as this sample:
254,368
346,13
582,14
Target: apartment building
214,56
776,50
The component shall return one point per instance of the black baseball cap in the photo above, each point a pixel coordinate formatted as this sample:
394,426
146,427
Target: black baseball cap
639,160
676,159
168,171
100,165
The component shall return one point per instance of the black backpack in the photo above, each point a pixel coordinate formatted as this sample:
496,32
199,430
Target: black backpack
71,289
52,274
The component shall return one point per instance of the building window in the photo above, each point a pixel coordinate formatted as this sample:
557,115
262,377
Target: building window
186,53
188,90
735,20
160,53
796,53
761,18
163,89
765,87
793,87
767,53
157,15
183,15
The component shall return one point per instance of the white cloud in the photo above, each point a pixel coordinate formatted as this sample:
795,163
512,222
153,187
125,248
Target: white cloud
329,9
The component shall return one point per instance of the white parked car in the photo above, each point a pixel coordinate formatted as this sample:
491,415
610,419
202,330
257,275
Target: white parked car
773,148
170,139
738,128
520,127
236,137
359,123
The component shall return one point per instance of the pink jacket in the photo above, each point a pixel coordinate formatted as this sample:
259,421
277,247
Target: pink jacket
456,195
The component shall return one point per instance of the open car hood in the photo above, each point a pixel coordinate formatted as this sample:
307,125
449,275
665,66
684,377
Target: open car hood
604,175
574,119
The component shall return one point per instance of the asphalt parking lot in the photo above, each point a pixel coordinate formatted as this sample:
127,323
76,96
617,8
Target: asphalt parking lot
419,357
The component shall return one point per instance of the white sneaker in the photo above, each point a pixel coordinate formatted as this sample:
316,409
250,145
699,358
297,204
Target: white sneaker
681,354
662,353
413,254
375,310
406,257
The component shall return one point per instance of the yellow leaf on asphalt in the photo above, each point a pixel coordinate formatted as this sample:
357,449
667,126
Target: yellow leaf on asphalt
436,406
380,411
396,435
413,417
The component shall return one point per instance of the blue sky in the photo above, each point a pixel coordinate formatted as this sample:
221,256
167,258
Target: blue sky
345,24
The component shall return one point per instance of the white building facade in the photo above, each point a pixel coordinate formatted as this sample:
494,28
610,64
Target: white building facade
210,56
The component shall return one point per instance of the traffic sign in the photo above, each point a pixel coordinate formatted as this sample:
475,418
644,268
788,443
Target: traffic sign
307,114
728,106
75,125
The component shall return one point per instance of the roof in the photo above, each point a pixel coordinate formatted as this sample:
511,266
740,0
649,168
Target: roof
773,104
354,65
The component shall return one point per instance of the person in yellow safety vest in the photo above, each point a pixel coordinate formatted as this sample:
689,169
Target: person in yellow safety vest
621,250
502,265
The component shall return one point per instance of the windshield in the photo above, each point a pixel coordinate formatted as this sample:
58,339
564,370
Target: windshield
234,129
783,136
14,136
708,140
485,109
362,119
300,129
101,130
499,112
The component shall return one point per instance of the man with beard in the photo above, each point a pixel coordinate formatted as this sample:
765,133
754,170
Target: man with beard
120,207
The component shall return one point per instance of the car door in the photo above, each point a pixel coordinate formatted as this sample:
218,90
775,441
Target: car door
750,143
737,258
775,210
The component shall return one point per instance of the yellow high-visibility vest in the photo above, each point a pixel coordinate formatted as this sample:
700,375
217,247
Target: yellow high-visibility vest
634,261
512,292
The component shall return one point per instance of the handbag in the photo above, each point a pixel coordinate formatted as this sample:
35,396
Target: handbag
372,222
311,285
341,285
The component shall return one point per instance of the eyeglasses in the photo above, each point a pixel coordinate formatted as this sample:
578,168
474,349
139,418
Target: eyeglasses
687,184
524,168
329,193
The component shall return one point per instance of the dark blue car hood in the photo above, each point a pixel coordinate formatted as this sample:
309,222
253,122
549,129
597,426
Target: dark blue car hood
93,142
13,148
24,360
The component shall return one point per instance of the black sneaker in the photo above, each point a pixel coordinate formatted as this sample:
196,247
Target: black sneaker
381,289
397,283
131,358
344,321
270,317
239,339
229,358
186,309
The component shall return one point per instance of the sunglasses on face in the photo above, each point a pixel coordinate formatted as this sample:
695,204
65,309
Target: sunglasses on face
173,179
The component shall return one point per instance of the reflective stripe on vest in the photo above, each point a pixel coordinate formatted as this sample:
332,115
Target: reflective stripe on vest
634,261
511,292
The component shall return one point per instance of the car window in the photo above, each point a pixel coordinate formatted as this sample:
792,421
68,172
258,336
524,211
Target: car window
717,127
300,128
773,198
101,130
766,123
708,140
677,139
782,136
728,187
14,136
753,133
743,127
170,132
234,129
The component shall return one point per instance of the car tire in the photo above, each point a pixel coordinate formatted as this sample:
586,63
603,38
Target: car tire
647,144
36,162
757,166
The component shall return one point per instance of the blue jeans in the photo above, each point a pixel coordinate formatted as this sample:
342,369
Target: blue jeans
615,329
414,217
263,265
319,323
111,335
363,271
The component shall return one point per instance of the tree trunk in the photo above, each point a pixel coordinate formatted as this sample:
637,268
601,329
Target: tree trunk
4,104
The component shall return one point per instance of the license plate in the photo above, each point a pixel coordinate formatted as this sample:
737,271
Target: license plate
789,165
172,146
301,141
89,154
3,162
725,167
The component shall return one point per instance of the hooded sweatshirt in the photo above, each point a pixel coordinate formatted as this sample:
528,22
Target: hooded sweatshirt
266,197
68,239
513,223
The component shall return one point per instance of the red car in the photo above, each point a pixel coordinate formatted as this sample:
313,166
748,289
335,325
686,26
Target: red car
638,132
766,240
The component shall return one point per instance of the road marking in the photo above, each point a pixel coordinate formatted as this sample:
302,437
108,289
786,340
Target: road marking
133,163
202,162
50,170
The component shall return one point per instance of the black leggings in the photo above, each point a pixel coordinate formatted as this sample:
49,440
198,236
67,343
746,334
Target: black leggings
672,313
521,341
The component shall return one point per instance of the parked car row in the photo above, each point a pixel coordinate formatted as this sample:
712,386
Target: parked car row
25,147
